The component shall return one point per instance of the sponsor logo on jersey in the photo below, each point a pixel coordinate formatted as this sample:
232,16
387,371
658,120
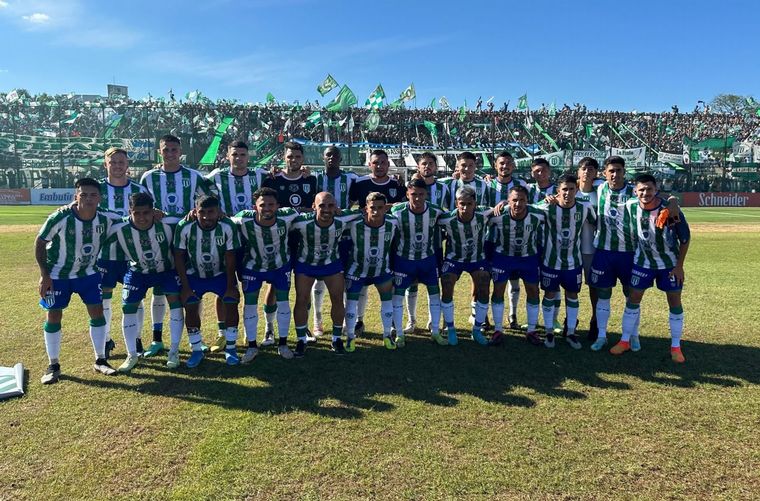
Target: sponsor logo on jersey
87,249
295,200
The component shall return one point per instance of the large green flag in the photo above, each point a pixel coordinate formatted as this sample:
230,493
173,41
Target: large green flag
462,114
264,161
313,119
112,124
522,103
398,103
375,100
373,120
432,128
432,103
408,94
547,136
327,85
343,101
270,98
589,130
210,156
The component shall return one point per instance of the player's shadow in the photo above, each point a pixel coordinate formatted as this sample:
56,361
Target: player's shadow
516,374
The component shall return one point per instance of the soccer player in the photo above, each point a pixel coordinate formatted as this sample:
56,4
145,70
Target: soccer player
338,182
465,230
66,250
562,264
204,256
173,187
115,190
465,168
147,244
265,242
588,169
317,259
499,191
378,181
438,194
297,190
369,264
659,258
414,259
515,236
234,185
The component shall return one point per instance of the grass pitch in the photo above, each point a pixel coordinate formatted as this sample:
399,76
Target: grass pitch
423,422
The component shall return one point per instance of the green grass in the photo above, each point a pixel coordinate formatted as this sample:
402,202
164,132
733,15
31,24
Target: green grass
423,422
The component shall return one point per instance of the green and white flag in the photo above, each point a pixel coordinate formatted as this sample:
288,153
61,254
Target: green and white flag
552,109
375,100
444,103
373,120
313,119
270,98
432,104
408,94
462,114
398,103
193,95
522,103
327,85
343,101
71,118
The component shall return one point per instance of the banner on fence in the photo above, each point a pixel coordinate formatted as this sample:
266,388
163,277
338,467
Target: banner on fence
556,159
73,150
675,158
719,199
19,196
52,196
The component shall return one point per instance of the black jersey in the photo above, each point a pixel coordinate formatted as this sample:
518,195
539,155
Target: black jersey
299,192
365,185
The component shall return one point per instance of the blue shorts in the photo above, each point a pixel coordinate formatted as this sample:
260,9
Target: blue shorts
253,280
407,271
610,266
216,285
87,287
319,272
570,280
644,278
356,284
137,284
505,268
457,268
112,271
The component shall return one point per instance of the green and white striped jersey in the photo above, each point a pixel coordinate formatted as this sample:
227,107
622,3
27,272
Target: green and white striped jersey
589,230
206,248
537,195
465,240
656,249
235,192
175,192
318,245
339,186
148,251
416,232
73,244
371,248
266,247
482,195
562,235
517,237
438,194
614,231
499,192
116,198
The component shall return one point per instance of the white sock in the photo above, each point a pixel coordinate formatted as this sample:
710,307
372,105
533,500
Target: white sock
158,309
361,308
448,313
630,317
317,300
107,316
547,305
98,337
602,316
532,310
140,318
676,329
398,314
230,335
513,289
571,313
130,328
283,318
434,302
498,315
251,321
176,325
195,338
53,345
269,317
386,312
473,305
481,310
352,306
411,305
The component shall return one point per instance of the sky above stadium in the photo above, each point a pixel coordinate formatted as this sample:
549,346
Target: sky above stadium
643,55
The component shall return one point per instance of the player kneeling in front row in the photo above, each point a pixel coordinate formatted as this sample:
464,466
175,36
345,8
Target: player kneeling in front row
369,264
515,238
465,230
204,254
659,257
66,250
147,244
562,264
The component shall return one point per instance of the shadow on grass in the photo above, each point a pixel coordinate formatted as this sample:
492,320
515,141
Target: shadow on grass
349,386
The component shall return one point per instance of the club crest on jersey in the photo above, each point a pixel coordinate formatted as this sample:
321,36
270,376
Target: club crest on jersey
99,228
220,240
160,237
306,188
342,186
185,183
578,216
281,231
392,192
387,237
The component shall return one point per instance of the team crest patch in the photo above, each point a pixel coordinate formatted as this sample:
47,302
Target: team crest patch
99,228
160,237
185,183
220,240
392,192
295,200
306,188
